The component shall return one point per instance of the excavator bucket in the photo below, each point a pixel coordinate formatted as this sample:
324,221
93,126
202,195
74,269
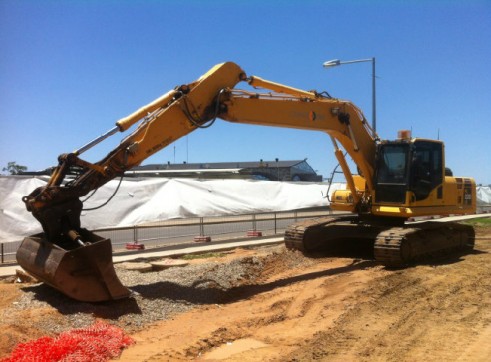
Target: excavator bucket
85,273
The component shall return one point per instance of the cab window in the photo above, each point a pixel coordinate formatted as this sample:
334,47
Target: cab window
426,168
392,164
391,178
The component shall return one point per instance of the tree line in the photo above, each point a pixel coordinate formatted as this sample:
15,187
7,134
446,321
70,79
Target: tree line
14,169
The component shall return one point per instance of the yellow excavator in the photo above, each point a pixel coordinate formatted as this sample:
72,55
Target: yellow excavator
396,180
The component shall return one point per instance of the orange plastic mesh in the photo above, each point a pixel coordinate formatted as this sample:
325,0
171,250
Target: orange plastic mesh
96,343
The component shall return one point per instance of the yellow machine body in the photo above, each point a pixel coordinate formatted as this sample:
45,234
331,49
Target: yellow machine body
64,255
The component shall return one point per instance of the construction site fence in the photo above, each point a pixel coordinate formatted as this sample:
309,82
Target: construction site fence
216,228
176,232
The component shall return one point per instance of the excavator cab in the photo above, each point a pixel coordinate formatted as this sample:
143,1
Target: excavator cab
408,171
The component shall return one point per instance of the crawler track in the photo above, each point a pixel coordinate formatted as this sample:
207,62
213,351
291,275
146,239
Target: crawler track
304,234
329,232
392,246
397,247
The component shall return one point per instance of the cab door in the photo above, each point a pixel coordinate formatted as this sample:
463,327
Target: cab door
392,173
426,169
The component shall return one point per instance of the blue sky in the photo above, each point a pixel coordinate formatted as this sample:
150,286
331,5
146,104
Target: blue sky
70,69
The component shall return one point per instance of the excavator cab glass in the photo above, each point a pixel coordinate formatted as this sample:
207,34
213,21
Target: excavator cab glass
391,177
403,166
426,169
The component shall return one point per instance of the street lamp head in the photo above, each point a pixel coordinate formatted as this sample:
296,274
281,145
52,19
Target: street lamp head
331,63
336,62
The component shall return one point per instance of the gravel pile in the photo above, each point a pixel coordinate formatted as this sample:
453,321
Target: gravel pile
161,294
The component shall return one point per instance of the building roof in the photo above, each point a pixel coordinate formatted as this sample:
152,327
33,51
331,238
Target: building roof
217,165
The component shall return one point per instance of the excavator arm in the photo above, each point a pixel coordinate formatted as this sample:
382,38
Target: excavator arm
192,106
79,263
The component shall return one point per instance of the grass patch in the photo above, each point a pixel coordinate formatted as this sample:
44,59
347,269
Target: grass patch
203,256
484,221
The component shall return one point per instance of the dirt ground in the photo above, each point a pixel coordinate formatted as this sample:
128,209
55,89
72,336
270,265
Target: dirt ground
321,308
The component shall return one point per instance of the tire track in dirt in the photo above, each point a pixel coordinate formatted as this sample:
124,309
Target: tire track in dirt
426,313
266,320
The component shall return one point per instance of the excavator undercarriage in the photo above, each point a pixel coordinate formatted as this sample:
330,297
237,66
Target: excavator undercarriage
391,246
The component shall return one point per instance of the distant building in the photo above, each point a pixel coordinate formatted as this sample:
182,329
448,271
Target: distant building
297,170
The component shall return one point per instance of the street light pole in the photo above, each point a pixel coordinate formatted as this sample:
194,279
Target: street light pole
374,107
336,62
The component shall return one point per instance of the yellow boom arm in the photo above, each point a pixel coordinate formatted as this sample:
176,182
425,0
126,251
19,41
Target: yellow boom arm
192,106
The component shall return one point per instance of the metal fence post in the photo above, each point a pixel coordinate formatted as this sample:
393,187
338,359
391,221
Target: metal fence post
274,223
254,232
2,253
202,236
201,227
135,245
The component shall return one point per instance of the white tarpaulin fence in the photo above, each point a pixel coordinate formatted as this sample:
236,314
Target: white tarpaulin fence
483,196
141,201
150,200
